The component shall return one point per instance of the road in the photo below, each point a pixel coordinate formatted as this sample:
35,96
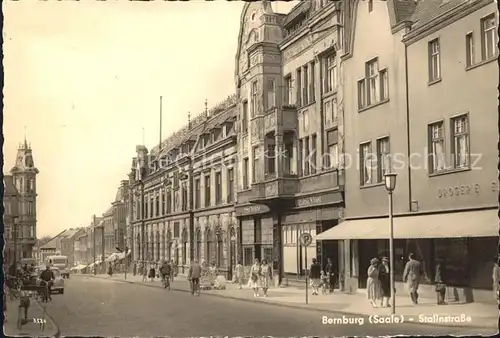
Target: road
99,307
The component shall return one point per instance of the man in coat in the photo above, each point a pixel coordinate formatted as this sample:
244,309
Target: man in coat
411,276
330,273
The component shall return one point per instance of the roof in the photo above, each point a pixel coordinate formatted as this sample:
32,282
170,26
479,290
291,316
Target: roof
403,9
296,11
428,10
120,194
52,244
70,233
10,188
109,211
198,125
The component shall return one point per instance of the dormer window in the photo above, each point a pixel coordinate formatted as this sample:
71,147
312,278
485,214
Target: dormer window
228,128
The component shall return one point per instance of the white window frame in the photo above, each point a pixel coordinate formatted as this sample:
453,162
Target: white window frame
333,153
289,89
434,60
331,73
334,115
383,158
255,164
460,136
327,107
437,137
271,93
469,49
372,83
366,164
254,98
489,37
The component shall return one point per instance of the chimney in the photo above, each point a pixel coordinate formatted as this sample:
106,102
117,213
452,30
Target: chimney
189,120
206,108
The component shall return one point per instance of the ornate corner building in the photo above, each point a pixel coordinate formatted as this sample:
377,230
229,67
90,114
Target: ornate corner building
20,205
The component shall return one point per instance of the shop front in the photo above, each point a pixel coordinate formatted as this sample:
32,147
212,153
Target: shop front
256,233
467,241
312,214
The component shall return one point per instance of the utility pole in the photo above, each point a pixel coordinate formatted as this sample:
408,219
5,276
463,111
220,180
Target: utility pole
93,249
102,248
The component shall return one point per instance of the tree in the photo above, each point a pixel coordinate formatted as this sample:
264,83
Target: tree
44,240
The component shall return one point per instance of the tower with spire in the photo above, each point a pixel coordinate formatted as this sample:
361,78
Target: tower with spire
24,175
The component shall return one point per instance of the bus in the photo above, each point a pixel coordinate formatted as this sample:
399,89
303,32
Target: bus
60,262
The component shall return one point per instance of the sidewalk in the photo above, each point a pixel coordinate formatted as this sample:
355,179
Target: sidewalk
427,312
30,329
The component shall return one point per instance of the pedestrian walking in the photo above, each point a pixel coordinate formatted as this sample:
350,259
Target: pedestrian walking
315,276
325,282
496,279
373,288
411,276
385,281
239,272
330,273
440,281
110,270
266,275
152,272
253,281
144,273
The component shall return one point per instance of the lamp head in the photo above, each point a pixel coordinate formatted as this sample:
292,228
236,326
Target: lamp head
390,181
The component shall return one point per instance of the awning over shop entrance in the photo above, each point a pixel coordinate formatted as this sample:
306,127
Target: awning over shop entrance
482,223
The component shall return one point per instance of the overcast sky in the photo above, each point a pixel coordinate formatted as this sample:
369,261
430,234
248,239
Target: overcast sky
85,79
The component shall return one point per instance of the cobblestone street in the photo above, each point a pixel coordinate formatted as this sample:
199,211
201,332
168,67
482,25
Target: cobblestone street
94,306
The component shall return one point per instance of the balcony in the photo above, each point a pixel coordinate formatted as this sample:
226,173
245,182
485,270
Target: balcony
274,188
289,119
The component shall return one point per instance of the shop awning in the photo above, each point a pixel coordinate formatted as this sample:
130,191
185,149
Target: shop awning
482,223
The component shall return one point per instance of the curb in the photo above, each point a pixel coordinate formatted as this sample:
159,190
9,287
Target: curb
49,318
271,303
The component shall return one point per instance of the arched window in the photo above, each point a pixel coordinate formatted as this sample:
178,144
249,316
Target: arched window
158,245
184,246
169,245
198,245
210,246
220,249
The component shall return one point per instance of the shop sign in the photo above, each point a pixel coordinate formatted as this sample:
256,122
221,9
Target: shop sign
305,202
252,210
459,190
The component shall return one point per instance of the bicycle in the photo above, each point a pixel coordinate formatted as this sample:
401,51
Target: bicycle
195,287
166,282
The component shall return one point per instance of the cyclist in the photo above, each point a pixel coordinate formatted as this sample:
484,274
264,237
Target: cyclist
165,271
47,277
194,275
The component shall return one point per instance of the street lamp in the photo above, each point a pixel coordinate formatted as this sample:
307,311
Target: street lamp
390,185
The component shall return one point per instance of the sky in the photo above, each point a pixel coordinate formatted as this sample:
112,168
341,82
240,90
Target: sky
84,79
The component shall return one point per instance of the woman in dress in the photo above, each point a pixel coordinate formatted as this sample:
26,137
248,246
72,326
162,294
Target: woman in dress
266,276
385,281
373,288
253,281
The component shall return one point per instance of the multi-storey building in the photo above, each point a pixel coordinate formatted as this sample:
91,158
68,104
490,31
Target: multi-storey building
80,247
24,177
108,226
183,193
10,218
68,244
119,217
289,131
419,110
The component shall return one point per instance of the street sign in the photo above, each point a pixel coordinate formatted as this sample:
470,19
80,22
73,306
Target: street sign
305,239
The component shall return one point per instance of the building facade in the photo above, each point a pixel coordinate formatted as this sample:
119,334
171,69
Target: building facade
288,147
80,247
10,218
419,110
68,244
24,175
120,217
183,194
109,234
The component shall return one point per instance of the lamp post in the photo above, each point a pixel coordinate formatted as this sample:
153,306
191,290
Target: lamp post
390,185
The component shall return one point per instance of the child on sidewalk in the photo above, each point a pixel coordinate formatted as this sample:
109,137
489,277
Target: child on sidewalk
324,282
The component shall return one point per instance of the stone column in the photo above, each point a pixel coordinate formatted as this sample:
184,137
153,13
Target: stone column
279,151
